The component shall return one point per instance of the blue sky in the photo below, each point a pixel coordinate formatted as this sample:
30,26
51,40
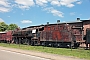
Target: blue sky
25,13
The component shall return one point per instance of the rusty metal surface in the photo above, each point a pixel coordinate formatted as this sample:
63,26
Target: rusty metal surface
9,35
6,36
62,32
2,36
56,33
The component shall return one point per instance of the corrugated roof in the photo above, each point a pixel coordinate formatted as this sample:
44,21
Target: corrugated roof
75,21
65,22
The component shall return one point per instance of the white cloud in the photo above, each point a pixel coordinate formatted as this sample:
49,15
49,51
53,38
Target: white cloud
55,2
3,9
4,3
54,12
68,3
1,20
72,13
4,6
41,2
79,2
26,21
24,4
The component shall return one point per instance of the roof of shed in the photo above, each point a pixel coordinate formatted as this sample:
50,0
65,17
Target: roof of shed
39,26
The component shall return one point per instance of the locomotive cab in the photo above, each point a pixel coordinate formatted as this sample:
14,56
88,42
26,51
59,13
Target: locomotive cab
35,40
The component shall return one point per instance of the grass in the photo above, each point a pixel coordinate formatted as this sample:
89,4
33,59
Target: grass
80,53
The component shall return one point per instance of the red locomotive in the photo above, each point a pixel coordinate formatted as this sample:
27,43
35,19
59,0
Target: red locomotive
56,35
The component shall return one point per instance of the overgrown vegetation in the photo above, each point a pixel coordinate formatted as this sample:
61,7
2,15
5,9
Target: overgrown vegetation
4,26
80,53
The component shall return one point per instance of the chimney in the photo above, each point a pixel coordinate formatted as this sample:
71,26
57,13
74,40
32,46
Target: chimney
47,23
58,21
78,19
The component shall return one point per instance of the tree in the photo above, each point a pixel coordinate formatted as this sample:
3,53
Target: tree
12,26
3,26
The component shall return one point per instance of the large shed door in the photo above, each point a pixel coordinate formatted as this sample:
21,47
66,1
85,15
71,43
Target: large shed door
88,35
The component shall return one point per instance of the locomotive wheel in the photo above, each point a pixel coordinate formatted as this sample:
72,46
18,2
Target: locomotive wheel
32,43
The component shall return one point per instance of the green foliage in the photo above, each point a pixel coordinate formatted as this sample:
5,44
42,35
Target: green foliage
12,26
3,26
